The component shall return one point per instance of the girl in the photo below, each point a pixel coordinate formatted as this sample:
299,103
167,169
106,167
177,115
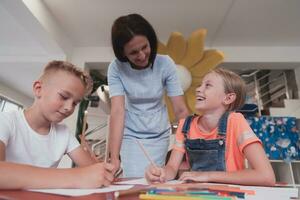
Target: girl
217,142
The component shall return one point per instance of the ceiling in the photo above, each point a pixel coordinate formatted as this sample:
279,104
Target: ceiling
229,22
35,31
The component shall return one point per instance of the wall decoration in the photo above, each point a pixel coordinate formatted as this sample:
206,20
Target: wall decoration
192,61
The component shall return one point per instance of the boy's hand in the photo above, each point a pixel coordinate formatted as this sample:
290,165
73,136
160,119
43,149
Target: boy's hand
195,176
155,174
96,175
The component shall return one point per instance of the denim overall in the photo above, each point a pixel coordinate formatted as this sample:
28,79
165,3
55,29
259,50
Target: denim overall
206,155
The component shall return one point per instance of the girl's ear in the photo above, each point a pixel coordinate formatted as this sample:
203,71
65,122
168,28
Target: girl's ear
229,98
37,88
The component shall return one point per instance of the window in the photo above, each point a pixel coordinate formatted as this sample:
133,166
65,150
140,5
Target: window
8,105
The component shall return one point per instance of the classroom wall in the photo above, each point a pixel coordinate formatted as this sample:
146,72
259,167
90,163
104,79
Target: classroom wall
81,56
261,54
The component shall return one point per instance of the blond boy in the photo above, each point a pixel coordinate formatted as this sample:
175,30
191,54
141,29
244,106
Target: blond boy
33,141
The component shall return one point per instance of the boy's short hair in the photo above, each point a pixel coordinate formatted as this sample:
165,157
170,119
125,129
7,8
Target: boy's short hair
233,83
125,28
57,65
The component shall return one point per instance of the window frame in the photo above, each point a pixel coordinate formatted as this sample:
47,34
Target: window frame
4,100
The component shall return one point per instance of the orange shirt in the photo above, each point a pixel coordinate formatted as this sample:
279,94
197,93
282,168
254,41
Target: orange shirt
238,136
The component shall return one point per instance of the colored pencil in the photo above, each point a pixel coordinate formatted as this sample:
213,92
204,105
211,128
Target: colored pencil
106,156
84,123
83,141
145,152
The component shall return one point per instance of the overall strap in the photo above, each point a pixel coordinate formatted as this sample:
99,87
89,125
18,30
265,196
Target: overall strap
222,128
186,126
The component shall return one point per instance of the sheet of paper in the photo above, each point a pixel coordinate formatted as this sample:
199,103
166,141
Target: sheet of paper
80,192
138,181
143,181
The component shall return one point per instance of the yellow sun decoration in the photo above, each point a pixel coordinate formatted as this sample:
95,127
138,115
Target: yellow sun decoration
192,61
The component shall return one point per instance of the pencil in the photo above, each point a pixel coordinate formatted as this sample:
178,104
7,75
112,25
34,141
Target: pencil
145,152
85,144
106,149
84,123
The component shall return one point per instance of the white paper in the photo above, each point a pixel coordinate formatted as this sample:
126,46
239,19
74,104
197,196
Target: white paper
138,181
80,192
143,181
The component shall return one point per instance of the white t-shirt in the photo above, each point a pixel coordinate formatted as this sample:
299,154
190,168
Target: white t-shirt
24,145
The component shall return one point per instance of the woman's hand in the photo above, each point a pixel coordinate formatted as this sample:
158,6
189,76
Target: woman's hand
155,174
195,176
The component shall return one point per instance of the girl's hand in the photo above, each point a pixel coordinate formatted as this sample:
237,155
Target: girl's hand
155,174
195,176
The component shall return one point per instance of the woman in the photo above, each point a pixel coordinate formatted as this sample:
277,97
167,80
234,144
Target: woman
138,79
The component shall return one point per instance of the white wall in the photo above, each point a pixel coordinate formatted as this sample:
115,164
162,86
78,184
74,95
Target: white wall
83,55
261,54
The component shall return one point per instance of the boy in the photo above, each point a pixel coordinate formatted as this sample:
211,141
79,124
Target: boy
32,142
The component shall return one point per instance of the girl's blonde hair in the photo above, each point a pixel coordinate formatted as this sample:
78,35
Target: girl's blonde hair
233,83
65,66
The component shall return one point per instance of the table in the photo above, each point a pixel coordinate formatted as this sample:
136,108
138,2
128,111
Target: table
262,193
27,195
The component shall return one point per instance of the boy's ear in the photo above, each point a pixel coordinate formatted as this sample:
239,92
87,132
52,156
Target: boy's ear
229,98
37,88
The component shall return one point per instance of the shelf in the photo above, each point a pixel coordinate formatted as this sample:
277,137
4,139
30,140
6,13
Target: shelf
283,172
282,161
287,172
296,172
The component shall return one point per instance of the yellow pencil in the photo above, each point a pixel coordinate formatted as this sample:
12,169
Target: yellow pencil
83,141
145,152
106,156
84,123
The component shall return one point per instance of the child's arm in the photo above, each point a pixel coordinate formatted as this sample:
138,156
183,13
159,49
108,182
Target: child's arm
169,172
18,176
81,157
261,172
